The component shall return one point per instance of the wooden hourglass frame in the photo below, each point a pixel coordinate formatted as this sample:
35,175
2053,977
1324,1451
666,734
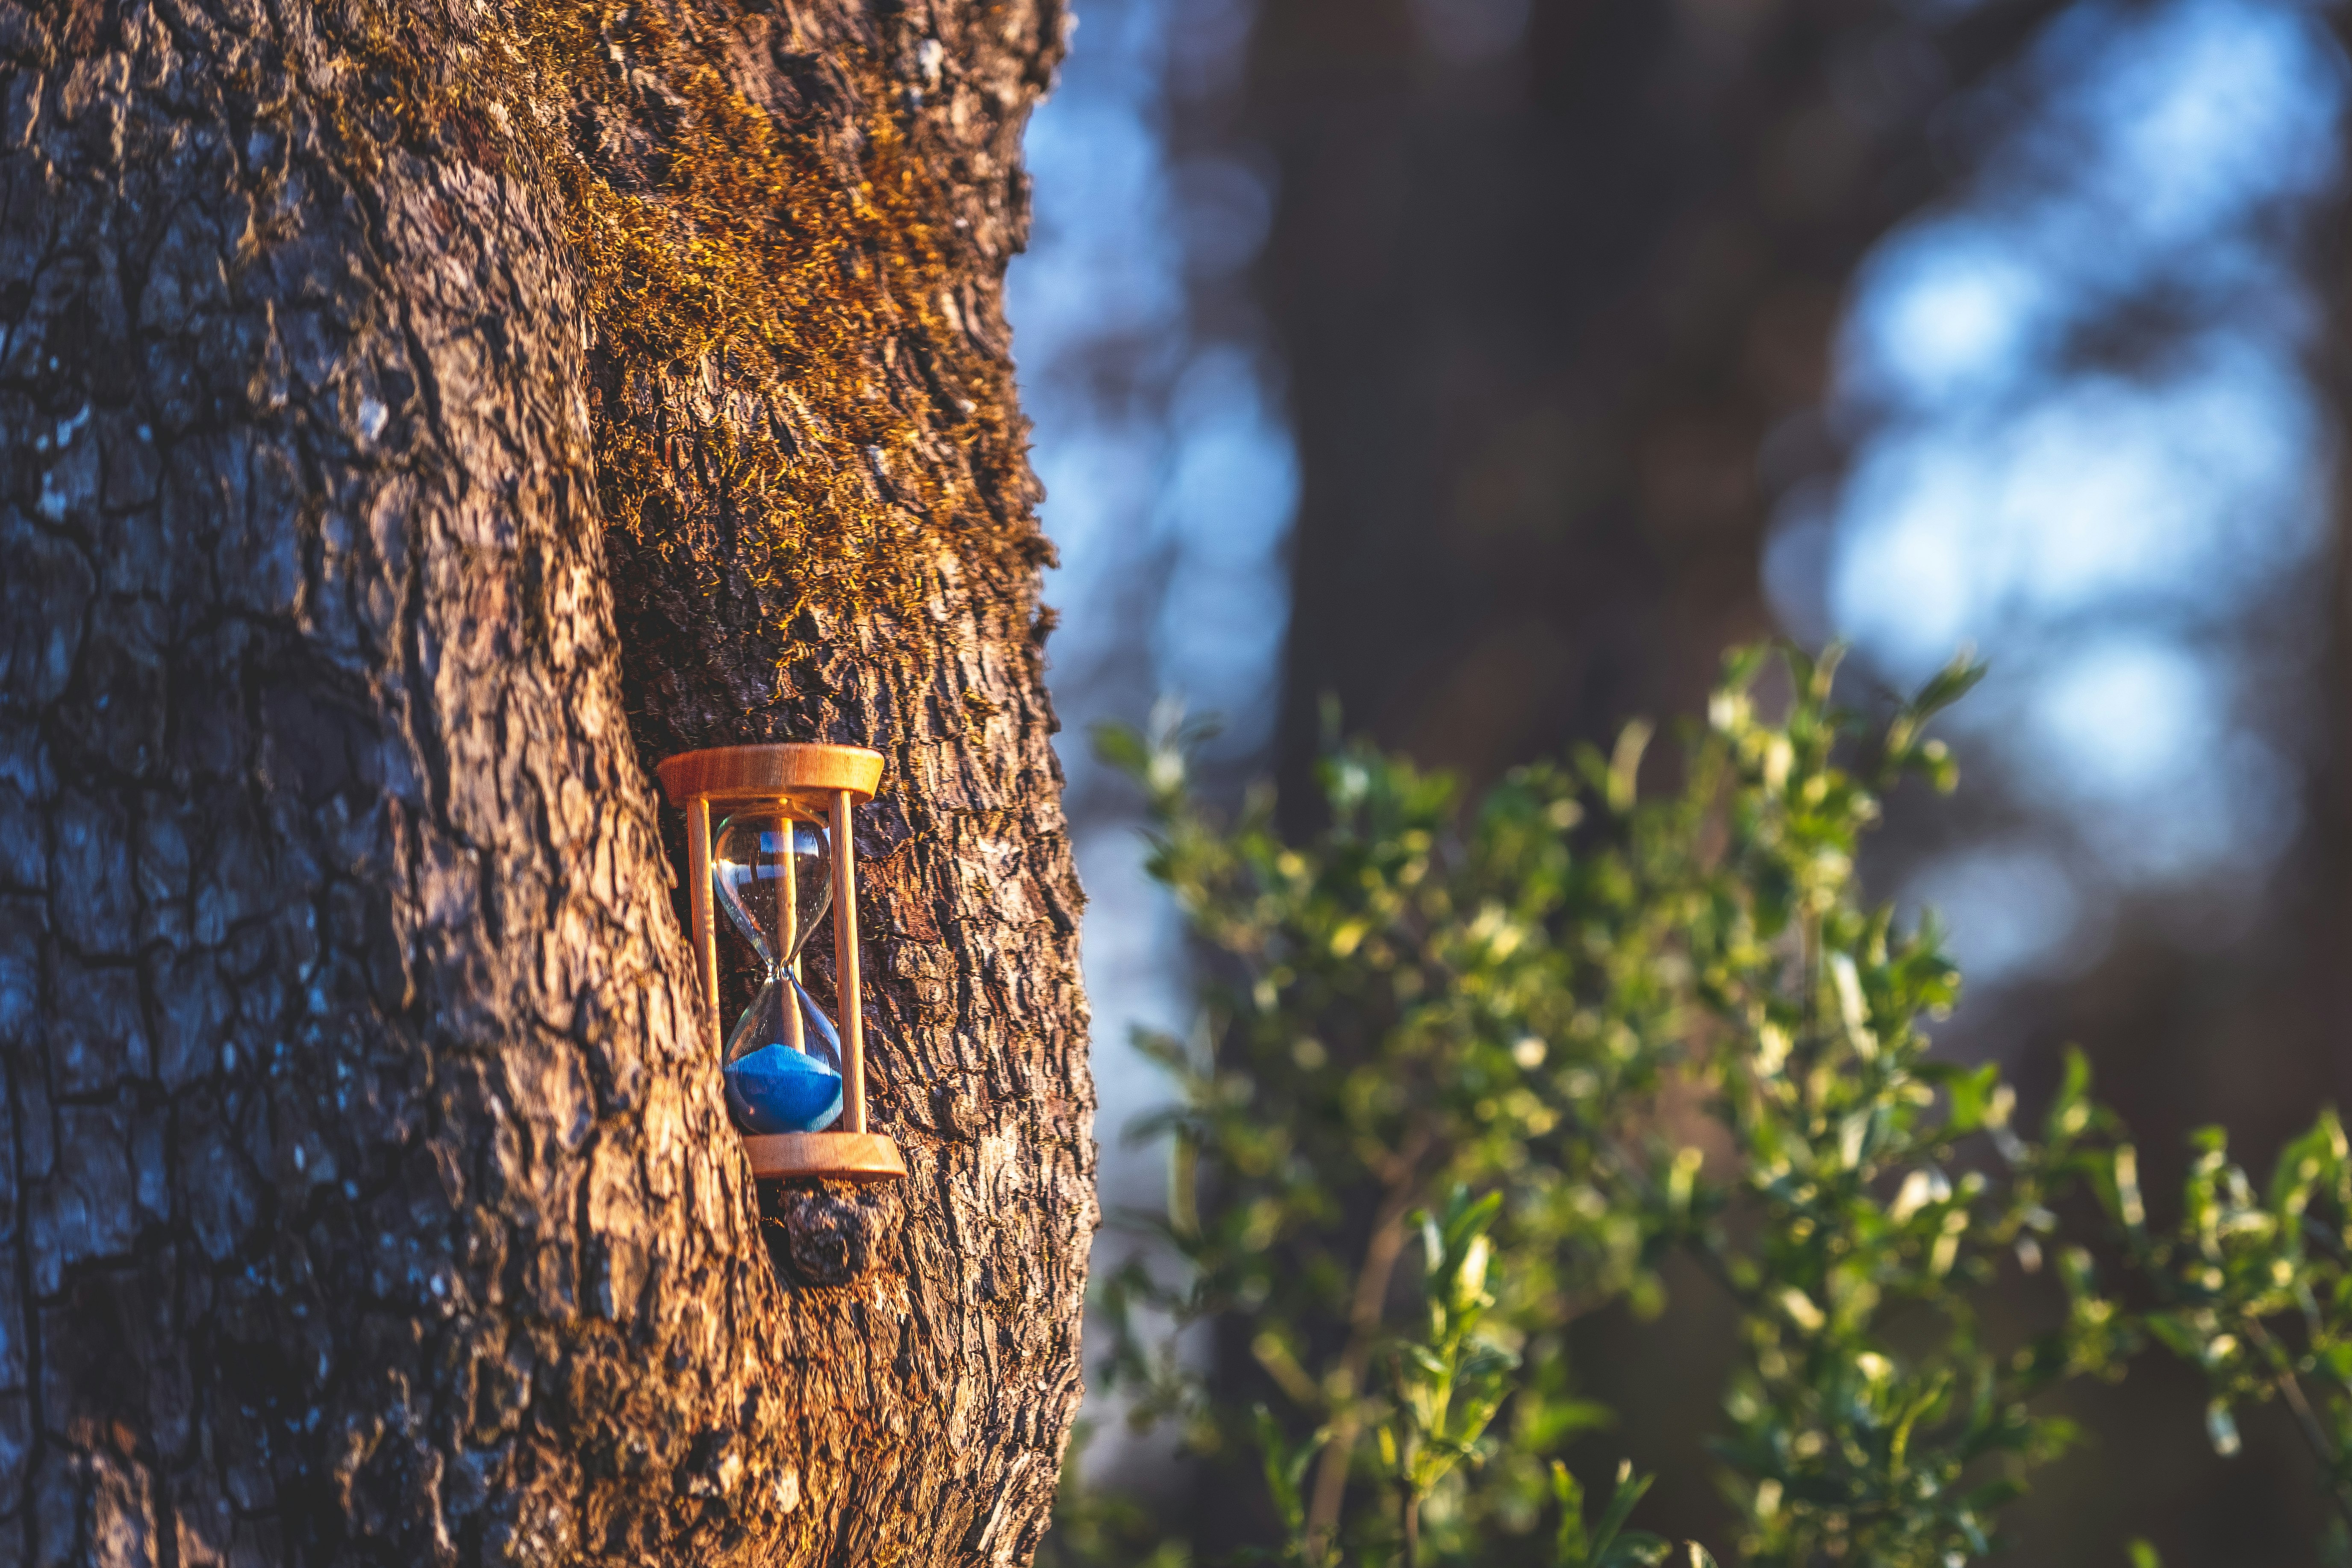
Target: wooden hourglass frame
807,782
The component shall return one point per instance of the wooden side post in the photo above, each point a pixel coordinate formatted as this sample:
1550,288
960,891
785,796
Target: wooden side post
788,928
844,958
706,940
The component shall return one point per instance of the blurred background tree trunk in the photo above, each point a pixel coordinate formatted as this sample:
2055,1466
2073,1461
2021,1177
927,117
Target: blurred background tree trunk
1557,288
414,421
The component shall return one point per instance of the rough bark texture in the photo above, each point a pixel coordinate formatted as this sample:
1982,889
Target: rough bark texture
413,423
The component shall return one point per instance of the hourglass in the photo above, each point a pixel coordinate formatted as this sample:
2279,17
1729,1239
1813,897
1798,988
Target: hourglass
780,858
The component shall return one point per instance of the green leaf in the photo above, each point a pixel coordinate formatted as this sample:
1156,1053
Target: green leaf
1949,684
2221,1427
1625,765
1285,1467
2069,1111
1628,1492
1573,1548
1121,747
1972,1096
1636,1549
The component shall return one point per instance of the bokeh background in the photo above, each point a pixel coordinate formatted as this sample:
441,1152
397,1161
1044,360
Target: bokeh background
1490,364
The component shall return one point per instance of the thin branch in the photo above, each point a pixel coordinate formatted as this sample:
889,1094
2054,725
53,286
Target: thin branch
2306,1419
1380,1254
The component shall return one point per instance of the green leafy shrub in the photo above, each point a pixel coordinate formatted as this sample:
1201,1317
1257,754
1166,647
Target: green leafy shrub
1539,1041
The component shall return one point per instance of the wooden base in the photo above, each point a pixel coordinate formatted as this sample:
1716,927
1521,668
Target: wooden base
835,1156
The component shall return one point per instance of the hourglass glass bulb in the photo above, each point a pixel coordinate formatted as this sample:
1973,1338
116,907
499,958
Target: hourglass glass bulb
773,876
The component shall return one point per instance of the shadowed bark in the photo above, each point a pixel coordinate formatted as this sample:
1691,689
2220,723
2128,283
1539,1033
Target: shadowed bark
414,421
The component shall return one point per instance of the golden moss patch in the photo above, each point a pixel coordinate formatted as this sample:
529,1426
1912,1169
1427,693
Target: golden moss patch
753,290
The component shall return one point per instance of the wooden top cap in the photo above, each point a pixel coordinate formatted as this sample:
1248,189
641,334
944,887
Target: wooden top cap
766,773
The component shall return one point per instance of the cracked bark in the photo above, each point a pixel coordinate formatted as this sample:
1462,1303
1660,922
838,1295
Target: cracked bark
367,1195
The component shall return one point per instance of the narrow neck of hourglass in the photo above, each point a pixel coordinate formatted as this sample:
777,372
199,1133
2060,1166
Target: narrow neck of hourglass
788,1003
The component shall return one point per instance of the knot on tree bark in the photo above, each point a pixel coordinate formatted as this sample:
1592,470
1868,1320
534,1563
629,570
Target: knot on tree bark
825,1235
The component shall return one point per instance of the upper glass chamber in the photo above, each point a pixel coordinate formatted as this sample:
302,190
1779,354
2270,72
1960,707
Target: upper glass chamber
773,873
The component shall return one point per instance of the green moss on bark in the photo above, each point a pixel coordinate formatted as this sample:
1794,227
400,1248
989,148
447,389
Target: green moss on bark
782,393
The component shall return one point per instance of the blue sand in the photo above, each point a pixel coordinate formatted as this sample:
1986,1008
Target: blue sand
779,1090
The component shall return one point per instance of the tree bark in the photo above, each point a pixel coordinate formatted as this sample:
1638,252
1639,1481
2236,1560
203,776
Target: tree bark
415,420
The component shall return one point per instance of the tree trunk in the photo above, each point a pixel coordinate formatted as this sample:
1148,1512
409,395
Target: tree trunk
417,419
